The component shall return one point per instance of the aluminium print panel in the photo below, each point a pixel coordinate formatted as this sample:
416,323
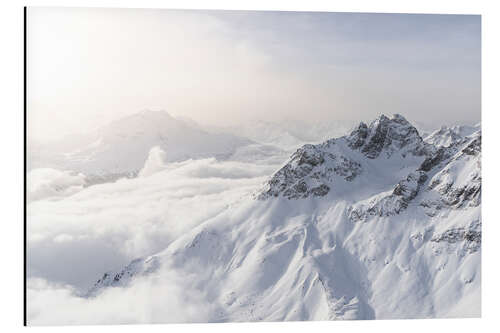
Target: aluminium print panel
238,166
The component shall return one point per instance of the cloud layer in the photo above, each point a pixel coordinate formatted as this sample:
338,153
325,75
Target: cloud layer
51,183
144,303
105,226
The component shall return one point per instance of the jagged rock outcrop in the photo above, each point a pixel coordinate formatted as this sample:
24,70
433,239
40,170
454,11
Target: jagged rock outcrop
434,159
387,135
469,237
138,267
313,169
310,172
473,148
390,203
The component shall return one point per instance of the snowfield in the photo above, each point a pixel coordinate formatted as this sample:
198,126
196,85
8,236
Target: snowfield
377,224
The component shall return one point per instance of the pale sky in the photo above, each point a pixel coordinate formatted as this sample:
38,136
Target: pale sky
88,66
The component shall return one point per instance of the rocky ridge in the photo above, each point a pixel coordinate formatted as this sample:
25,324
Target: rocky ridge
313,170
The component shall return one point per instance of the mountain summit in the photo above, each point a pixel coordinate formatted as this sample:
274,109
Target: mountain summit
386,135
372,150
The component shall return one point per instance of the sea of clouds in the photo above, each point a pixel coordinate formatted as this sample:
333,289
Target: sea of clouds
75,233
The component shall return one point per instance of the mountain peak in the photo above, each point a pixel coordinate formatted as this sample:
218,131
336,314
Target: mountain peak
312,169
400,119
382,117
389,134
122,146
143,120
395,118
153,114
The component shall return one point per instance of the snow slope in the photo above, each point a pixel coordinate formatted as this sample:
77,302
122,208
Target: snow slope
376,224
446,136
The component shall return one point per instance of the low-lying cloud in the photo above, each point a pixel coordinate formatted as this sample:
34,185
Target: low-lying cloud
144,302
103,227
46,183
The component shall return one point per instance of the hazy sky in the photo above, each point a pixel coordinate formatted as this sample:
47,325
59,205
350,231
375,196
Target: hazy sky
89,66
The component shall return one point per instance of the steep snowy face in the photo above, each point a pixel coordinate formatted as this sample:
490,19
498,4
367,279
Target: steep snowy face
375,224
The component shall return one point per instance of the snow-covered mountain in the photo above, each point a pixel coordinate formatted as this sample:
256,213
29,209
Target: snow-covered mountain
121,147
379,223
446,136
289,135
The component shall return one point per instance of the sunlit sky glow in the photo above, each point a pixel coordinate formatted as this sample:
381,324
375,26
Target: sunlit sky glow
88,66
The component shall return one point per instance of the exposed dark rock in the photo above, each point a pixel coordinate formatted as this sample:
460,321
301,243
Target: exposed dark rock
393,204
469,194
357,137
309,156
408,188
137,266
430,162
310,172
474,148
387,134
378,137
347,168
471,236
320,191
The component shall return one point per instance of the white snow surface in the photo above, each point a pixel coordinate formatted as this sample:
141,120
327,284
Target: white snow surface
218,241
